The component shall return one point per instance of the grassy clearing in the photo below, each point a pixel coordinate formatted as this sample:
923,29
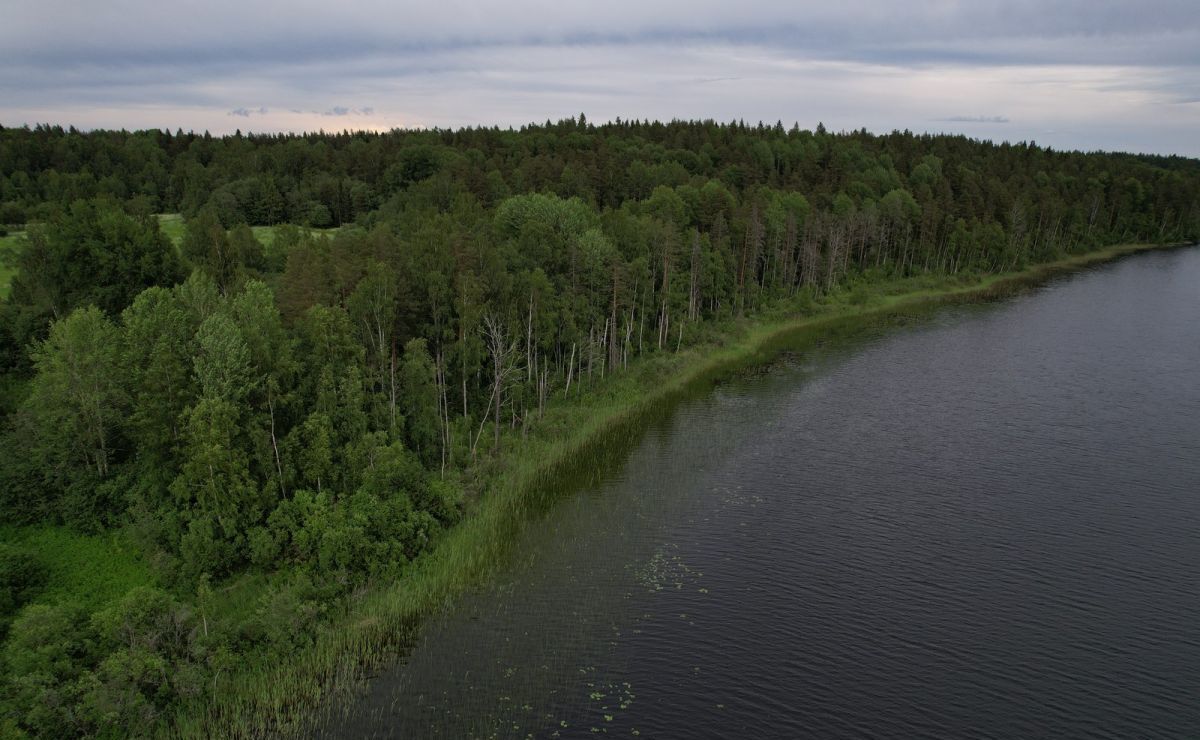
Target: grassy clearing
172,224
264,234
172,227
7,243
85,571
579,440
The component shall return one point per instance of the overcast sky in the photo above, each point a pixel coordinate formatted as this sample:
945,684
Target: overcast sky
1074,74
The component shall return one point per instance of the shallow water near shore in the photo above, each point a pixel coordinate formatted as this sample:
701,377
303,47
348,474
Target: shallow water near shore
982,523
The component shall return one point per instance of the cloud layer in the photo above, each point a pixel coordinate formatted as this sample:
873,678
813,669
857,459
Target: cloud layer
1075,74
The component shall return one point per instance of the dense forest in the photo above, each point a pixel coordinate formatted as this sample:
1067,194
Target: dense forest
309,412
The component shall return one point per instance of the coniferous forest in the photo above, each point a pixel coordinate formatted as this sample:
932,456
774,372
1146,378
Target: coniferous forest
221,430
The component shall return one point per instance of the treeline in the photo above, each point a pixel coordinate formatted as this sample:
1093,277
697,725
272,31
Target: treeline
329,179
319,411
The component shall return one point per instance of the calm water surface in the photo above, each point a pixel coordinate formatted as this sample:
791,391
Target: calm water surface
984,524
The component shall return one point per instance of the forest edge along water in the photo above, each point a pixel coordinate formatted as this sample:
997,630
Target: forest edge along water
381,624
266,440
976,521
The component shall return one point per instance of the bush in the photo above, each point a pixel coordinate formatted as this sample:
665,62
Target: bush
146,642
21,577
286,613
11,213
45,659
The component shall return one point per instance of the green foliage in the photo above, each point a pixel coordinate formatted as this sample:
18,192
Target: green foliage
222,361
566,218
87,571
156,347
224,256
73,414
172,227
146,639
304,416
285,613
9,249
419,399
46,658
214,485
89,254
372,308
665,204
115,673
900,207
21,578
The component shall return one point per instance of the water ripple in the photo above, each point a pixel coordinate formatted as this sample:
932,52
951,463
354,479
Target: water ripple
982,525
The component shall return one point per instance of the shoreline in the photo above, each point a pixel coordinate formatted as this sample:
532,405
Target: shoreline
577,441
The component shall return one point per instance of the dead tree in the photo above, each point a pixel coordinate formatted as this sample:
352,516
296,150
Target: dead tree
694,291
504,352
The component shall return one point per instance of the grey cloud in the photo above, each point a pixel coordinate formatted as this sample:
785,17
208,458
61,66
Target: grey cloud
45,53
853,63
341,110
974,119
931,30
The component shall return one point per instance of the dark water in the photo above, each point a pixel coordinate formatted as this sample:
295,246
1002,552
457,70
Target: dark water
985,524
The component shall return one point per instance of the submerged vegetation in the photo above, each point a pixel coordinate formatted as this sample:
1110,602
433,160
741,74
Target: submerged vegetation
250,447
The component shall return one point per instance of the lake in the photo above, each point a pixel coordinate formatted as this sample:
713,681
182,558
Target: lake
983,522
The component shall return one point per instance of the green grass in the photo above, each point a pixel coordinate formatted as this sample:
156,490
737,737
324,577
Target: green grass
264,234
172,226
6,272
87,571
580,439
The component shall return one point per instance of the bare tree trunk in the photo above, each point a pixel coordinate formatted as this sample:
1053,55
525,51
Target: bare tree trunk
694,291
792,263
642,325
392,388
274,442
750,248
605,342
496,394
613,352
628,340
504,354
443,409
570,370
529,341
664,325
591,353
543,384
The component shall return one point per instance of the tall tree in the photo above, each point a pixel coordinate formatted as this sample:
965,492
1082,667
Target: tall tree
75,407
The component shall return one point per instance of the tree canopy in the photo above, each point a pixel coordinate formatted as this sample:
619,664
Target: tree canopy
319,413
